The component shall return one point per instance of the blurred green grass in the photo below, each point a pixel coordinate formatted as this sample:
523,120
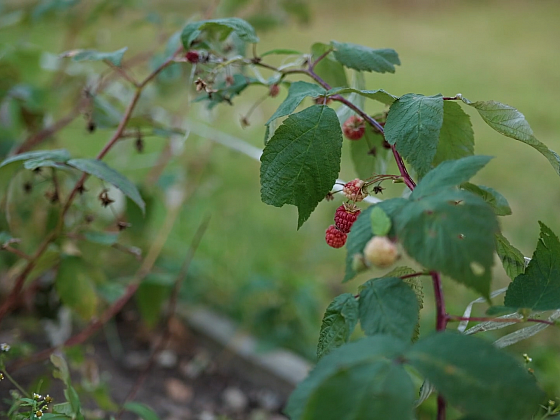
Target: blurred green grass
504,51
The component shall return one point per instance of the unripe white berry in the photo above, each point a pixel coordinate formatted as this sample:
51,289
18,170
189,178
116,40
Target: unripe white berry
381,252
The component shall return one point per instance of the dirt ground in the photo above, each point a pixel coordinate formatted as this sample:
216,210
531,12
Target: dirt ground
190,379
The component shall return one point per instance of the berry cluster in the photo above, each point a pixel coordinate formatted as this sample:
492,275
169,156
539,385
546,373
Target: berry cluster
344,218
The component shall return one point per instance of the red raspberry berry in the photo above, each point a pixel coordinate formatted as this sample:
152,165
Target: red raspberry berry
192,56
274,90
354,128
334,237
345,217
353,190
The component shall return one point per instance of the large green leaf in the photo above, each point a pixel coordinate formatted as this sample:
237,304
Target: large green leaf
222,27
512,258
388,305
496,200
338,323
538,288
453,232
355,382
377,95
75,287
301,161
449,174
114,57
413,126
297,92
361,233
102,171
329,69
359,57
456,137
512,123
475,376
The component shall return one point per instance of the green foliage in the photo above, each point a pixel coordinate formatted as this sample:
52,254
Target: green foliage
354,381
141,410
413,126
388,306
114,57
451,222
456,136
377,95
496,200
538,288
512,259
290,173
512,123
222,28
380,222
475,376
75,287
329,69
338,323
362,58
297,92
102,171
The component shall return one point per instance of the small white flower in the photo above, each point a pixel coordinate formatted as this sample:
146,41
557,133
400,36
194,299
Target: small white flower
4,347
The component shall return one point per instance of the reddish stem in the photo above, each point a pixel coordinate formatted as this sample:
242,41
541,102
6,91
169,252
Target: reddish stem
441,315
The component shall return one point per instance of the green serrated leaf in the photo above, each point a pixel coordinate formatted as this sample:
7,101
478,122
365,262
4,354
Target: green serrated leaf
354,381
301,161
359,57
63,373
413,126
105,114
329,69
455,223
338,323
33,164
223,28
75,288
102,171
475,376
49,416
380,222
388,306
510,122
456,137
297,92
73,398
114,57
361,233
449,174
377,95
60,155
512,258
281,51
141,410
496,200
538,288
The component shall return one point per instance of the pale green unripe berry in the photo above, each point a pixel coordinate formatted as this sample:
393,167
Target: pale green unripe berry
381,252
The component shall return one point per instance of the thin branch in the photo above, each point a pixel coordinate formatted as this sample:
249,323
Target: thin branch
16,251
457,318
121,71
312,65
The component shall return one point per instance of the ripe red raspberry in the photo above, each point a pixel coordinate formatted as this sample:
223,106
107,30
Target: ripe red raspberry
274,90
192,56
334,237
353,190
345,217
354,128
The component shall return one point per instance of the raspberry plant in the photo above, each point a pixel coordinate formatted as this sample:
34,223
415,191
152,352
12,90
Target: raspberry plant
446,224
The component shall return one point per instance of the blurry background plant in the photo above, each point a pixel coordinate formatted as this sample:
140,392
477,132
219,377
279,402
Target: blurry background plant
250,265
